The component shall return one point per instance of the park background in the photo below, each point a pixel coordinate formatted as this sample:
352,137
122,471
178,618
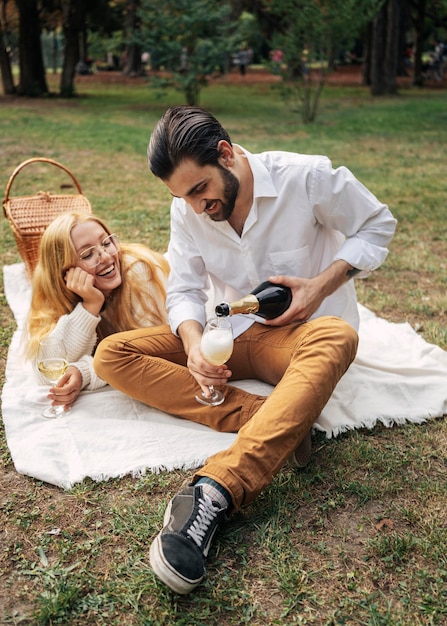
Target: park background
359,536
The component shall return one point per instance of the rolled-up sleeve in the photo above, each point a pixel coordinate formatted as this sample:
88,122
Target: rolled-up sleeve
343,203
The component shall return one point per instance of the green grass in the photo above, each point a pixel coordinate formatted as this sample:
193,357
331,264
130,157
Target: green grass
357,538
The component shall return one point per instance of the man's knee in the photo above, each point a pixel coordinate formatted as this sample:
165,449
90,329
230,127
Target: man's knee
340,334
103,358
348,336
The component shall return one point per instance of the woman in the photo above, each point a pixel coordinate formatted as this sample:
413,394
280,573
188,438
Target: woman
86,286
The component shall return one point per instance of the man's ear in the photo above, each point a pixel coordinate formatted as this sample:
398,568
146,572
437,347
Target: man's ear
226,153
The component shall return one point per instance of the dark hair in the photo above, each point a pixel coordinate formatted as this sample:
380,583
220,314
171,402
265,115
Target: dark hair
184,132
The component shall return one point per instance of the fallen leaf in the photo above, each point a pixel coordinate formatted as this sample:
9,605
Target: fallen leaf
385,523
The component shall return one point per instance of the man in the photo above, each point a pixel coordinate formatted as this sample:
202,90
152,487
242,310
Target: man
238,219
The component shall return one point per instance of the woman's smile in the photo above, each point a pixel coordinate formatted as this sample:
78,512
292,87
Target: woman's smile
107,271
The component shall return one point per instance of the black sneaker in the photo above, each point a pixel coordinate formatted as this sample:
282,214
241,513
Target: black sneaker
178,552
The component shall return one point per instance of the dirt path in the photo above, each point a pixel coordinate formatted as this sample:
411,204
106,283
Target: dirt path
346,76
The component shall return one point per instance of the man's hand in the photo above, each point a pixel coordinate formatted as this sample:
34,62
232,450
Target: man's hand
309,293
205,374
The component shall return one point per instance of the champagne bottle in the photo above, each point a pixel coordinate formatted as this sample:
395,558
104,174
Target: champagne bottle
268,300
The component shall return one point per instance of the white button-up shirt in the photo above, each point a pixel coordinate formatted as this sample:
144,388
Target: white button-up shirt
304,216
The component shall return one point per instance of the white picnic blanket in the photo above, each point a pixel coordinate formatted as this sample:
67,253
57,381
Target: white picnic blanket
396,377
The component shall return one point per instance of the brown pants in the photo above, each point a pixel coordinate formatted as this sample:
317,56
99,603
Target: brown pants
304,362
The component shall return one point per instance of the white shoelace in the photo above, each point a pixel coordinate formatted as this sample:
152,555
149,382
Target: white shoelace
206,514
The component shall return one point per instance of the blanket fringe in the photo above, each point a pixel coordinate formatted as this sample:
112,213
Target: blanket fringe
138,472
369,424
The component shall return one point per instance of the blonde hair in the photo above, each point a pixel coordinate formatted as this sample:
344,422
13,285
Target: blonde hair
139,296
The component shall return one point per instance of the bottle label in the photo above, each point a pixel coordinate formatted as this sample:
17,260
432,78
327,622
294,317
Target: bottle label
248,304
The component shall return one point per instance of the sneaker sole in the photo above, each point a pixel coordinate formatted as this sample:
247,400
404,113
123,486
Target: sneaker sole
166,574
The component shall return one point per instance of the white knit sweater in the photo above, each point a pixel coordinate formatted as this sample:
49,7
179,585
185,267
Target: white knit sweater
78,332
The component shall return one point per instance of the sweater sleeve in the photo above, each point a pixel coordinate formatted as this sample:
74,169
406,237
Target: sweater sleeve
78,332
90,379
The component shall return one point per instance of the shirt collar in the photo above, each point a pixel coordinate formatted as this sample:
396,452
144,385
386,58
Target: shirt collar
262,181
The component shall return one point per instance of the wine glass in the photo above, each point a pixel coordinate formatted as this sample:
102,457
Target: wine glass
216,346
52,364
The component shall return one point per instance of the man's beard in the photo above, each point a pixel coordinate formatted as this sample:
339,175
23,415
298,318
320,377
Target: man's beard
230,192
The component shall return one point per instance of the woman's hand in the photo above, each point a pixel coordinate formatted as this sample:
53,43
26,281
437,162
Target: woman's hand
67,389
83,284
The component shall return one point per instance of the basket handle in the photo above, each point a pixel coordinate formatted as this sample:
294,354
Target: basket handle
41,160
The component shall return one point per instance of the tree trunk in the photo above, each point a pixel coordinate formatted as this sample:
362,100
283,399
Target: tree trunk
5,61
73,24
132,64
392,45
385,49
32,72
5,70
367,47
378,84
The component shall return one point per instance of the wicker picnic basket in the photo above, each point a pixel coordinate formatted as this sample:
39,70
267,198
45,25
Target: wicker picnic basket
30,215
